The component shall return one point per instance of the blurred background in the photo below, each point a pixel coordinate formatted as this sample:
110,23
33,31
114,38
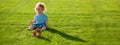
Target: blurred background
73,22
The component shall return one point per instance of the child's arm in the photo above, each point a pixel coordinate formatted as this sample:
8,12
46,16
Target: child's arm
33,21
47,24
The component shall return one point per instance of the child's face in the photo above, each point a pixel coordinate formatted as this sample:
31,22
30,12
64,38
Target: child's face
40,10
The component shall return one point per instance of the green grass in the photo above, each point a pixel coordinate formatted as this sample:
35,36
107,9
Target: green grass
72,22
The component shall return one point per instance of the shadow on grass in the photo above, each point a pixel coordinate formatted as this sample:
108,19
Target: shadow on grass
64,35
44,38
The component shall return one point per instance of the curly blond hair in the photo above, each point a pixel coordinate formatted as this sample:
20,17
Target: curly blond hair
40,4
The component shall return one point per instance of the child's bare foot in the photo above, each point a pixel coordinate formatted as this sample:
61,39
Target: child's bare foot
28,29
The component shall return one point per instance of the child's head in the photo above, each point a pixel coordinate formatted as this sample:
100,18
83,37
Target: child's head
40,7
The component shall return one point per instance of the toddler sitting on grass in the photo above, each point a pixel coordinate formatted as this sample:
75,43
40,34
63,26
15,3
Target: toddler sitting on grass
40,19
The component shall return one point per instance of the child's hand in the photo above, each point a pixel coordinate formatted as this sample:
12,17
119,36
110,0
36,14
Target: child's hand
47,26
31,22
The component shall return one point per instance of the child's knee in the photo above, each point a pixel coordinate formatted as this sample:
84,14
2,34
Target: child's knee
43,28
32,27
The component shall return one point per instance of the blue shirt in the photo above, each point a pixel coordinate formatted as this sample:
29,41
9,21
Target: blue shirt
40,19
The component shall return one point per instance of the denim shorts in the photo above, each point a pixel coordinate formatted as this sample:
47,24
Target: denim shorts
34,26
39,25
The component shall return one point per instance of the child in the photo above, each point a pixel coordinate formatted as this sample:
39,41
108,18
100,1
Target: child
40,19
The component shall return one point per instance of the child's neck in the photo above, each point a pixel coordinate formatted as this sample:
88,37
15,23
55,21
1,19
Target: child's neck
40,14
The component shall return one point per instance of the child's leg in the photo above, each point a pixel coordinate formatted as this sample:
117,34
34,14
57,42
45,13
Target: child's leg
43,28
31,27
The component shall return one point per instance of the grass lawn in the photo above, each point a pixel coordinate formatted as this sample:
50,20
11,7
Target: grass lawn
72,22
